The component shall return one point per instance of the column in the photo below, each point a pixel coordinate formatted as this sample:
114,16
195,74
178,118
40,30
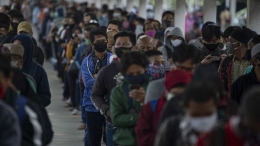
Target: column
98,4
253,13
129,5
111,4
179,17
209,11
233,8
227,3
142,9
158,9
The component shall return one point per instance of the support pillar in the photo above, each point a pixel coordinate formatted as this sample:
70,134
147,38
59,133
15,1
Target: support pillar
129,5
253,13
179,17
227,3
233,9
110,4
209,10
98,4
158,9
142,9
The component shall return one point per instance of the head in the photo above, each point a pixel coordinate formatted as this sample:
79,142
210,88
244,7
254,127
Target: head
157,64
200,107
110,39
15,16
175,38
4,9
98,38
185,57
77,34
149,29
24,28
175,83
5,74
16,55
87,32
93,23
4,24
145,43
167,19
124,42
238,41
210,35
250,110
133,66
254,41
88,17
114,25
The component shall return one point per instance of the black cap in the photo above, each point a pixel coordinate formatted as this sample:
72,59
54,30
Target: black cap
240,35
229,30
209,24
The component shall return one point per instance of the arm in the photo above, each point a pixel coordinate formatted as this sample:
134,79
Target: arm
145,134
87,76
77,55
43,88
69,55
118,115
99,91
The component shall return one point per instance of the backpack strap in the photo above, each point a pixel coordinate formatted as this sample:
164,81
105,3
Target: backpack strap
20,108
153,105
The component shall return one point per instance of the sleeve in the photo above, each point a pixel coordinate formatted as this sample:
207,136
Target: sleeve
119,118
144,128
87,76
43,89
77,56
221,74
10,133
99,91
69,51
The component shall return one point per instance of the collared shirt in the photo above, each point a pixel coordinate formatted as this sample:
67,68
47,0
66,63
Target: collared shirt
238,68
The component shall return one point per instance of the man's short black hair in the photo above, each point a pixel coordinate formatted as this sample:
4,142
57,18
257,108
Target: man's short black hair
167,12
185,52
199,91
152,53
256,39
250,104
77,28
95,32
129,34
117,23
135,57
4,21
88,28
92,15
6,7
210,29
5,66
147,24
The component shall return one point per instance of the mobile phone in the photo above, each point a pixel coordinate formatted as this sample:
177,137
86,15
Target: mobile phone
135,87
216,58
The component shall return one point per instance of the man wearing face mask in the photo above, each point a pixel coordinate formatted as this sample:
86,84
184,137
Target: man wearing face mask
234,65
241,130
149,29
145,43
90,68
110,77
211,49
246,81
173,40
167,21
16,52
148,122
157,65
200,117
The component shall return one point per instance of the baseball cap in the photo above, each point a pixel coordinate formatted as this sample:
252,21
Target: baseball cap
25,27
15,49
255,50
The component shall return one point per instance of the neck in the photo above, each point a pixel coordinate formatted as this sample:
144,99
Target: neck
240,53
257,73
100,55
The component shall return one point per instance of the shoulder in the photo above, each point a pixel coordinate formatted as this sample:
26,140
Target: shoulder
156,83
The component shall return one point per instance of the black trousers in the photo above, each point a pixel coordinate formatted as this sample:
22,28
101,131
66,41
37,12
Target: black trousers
73,76
95,122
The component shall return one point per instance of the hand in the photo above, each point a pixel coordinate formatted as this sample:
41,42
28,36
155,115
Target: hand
138,94
223,56
95,76
207,60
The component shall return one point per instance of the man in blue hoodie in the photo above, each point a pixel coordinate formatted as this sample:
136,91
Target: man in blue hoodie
32,68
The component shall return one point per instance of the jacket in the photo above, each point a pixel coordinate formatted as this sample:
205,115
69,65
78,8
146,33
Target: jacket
108,78
242,84
32,68
168,48
10,132
124,114
147,124
88,70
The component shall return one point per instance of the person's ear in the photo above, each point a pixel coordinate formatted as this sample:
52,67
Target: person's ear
134,48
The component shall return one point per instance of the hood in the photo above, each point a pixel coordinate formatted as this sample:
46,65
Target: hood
27,44
167,29
175,31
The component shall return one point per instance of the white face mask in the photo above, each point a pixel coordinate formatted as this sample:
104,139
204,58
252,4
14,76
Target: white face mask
170,96
176,43
203,124
14,63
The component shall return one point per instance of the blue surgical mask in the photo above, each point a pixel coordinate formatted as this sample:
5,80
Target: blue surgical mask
156,71
137,79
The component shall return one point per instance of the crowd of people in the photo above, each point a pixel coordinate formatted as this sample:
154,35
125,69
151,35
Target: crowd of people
135,81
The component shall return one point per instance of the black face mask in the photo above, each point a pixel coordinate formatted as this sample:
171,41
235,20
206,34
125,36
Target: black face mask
167,23
211,47
100,47
122,50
